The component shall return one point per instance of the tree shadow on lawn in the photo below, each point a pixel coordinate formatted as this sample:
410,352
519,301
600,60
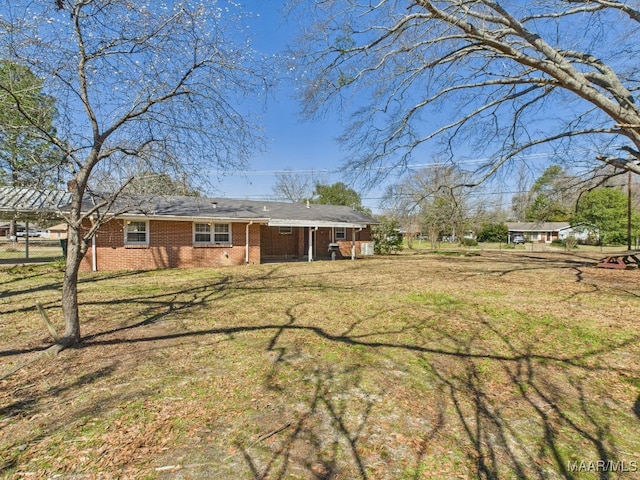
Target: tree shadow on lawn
505,263
319,439
561,425
504,412
551,416
540,435
51,285
163,305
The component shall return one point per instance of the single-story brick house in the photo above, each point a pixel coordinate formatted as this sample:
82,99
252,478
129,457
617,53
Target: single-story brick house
537,232
547,232
179,231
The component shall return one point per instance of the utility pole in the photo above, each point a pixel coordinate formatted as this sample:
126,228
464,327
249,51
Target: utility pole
629,211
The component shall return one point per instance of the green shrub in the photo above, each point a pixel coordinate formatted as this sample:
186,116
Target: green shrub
387,237
570,243
493,232
469,242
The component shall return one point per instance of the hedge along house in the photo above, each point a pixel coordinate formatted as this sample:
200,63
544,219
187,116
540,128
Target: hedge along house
151,232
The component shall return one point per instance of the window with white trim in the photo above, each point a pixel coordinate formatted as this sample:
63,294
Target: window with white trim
207,233
136,233
341,233
222,233
202,233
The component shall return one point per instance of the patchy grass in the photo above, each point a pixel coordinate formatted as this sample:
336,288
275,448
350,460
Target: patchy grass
502,365
39,251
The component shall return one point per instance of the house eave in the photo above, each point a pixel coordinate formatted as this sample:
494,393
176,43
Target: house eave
314,223
190,218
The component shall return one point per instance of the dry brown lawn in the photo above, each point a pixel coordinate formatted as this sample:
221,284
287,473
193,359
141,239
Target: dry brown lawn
498,365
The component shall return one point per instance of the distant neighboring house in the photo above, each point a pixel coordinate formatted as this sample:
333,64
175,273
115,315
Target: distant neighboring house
181,232
538,232
57,232
547,232
582,232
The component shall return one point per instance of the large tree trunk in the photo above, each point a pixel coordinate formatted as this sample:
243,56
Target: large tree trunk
70,289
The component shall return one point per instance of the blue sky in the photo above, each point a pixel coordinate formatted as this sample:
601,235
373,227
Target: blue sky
307,146
293,143
303,146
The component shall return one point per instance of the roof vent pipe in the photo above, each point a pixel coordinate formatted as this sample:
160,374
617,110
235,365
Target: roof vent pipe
308,204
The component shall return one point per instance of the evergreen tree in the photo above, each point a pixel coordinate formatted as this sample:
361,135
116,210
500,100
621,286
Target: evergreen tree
338,194
27,157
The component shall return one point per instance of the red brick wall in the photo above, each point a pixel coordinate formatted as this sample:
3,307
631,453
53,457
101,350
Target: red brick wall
170,246
274,244
324,238
296,245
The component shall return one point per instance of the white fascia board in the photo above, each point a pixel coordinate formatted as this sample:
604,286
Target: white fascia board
311,223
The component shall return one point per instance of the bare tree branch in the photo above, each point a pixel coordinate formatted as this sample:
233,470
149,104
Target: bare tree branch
135,81
474,77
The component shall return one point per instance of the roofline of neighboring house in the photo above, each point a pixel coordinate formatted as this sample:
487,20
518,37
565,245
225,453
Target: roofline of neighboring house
580,224
518,227
541,229
537,229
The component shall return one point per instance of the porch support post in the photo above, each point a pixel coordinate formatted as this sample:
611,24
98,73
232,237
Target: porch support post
353,243
246,253
94,254
311,244
26,239
94,249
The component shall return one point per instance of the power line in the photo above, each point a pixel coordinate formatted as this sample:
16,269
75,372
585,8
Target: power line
411,166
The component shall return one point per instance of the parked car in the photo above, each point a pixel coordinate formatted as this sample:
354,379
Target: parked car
517,239
32,233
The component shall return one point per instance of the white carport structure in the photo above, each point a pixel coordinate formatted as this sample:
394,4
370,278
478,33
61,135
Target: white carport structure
30,205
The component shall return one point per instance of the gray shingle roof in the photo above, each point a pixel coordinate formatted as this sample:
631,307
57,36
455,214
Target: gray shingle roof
23,202
537,226
273,213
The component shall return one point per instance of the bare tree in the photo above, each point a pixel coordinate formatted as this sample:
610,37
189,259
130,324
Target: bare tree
293,187
498,81
522,198
134,80
436,198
